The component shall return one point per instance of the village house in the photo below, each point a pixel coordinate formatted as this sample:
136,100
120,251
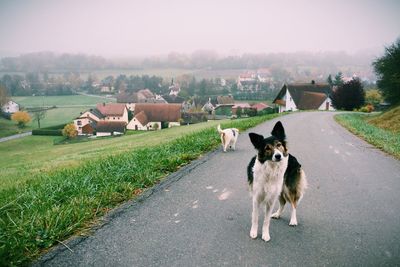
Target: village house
87,122
304,96
260,106
174,89
108,128
10,107
141,96
245,108
155,116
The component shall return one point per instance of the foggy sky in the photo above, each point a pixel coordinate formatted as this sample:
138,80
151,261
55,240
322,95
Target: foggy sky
154,27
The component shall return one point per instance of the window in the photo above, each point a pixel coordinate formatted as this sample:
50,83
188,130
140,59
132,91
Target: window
79,123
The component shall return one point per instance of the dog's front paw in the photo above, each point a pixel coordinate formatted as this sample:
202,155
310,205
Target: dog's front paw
266,237
293,222
276,215
253,233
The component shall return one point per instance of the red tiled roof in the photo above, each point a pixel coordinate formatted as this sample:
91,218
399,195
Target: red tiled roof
242,105
142,118
260,106
311,100
146,93
111,109
159,112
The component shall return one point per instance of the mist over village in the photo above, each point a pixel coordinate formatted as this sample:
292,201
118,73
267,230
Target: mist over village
132,133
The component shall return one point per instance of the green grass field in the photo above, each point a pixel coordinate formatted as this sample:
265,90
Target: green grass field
387,140
67,109
8,128
56,191
33,154
69,100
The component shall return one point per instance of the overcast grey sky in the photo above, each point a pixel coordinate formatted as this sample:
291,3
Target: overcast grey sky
139,28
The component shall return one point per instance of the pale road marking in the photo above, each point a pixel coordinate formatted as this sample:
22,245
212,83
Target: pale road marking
215,190
225,195
337,151
209,187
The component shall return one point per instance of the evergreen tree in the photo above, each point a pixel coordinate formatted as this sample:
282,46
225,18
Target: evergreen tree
338,79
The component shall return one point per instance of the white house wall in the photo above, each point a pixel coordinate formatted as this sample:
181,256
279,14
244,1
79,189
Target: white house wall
10,107
90,115
290,105
99,134
323,105
123,118
83,122
135,123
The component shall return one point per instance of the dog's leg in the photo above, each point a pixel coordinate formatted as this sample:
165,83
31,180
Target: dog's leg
293,217
254,219
223,142
282,203
226,146
267,218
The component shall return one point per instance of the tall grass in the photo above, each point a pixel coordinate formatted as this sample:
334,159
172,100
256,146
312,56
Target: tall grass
55,205
388,141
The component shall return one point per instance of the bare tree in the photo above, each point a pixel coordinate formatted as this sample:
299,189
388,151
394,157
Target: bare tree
39,115
3,95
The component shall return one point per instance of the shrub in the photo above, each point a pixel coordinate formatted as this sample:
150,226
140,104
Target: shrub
349,96
47,132
69,131
21,117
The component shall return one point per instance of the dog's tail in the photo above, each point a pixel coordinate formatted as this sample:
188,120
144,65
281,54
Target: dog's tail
219,128
250,173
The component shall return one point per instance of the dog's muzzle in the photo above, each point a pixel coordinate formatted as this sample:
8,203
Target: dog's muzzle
277,157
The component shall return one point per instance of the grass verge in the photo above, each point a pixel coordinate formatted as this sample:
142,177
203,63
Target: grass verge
48,209
358,124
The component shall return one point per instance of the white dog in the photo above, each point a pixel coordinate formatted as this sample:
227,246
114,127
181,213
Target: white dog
229,137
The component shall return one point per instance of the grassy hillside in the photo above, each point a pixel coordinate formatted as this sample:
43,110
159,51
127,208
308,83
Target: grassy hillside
389,120
380,130
67,109
30,155
68,100
8,128
55,203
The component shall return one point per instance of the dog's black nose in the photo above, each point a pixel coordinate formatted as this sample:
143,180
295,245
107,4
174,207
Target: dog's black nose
278,156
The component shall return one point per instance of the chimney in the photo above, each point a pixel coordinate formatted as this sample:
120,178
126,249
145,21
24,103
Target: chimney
312,82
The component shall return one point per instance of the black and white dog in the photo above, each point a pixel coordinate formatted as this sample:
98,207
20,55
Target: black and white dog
273,174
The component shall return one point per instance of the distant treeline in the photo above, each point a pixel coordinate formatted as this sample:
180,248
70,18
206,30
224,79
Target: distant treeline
49,61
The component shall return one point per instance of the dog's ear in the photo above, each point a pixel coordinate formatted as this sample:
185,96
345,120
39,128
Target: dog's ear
256,140
279,131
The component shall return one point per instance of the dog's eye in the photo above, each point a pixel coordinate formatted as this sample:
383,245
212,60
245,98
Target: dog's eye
279,145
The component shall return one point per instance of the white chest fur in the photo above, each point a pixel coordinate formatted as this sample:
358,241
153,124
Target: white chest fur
268,176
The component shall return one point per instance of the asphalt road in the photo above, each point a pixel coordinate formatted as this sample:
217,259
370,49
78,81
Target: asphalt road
200,216
15,136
